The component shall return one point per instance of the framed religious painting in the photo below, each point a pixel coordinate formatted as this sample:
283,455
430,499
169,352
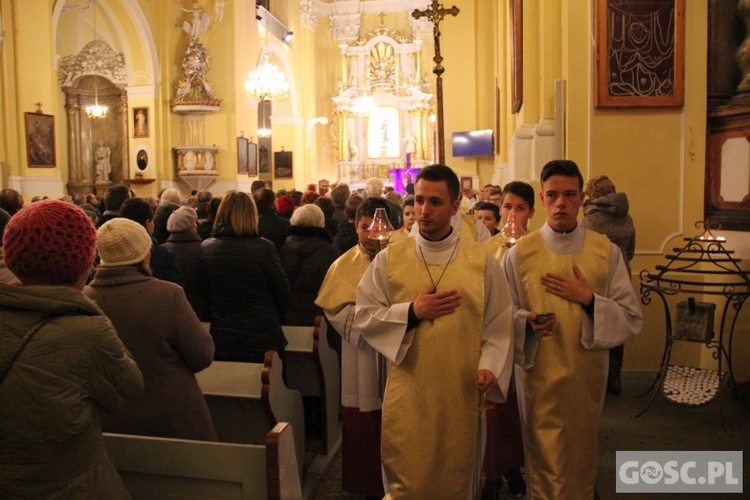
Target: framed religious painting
282,164
467,183
242,143
140,122
640,53
252,159
40,140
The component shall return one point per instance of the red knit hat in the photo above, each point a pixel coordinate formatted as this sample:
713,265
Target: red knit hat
49,242
285,204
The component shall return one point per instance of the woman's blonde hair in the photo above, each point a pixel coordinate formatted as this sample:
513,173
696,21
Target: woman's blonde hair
598,187
237,212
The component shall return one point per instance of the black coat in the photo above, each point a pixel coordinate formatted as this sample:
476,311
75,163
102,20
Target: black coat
186,247
272,227
248,294
306,257
346,237
164,265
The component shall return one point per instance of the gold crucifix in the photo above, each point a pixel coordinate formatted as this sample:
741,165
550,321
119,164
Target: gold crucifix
435,12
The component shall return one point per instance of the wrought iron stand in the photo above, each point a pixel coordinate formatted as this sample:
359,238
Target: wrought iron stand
704,267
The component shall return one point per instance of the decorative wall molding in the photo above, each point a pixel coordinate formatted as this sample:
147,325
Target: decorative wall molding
308,14
47,186
345,26
96,58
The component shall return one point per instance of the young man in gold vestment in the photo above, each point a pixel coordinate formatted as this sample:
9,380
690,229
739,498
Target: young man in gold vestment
360,381
436,306
574,301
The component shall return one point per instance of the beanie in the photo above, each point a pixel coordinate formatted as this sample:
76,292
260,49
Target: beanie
122,242
285,204
183,219
49,242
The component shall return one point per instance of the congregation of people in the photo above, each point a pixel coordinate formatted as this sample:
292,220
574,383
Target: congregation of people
458,343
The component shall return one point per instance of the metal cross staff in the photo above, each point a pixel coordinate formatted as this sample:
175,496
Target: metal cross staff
435,13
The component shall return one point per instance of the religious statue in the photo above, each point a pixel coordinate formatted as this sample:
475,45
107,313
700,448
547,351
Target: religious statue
103,165
200,24
353,149
219,10
411,145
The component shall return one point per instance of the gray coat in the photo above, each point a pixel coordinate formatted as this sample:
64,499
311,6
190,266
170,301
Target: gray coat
608,215
74,368
157,324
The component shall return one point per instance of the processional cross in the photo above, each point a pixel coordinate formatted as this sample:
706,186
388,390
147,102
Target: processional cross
435,12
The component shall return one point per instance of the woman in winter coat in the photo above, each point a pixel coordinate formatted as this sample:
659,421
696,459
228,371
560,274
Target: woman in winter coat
306,256
156,323
245,287
606,212
72,369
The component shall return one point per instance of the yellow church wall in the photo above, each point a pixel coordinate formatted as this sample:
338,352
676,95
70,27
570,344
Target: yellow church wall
326,77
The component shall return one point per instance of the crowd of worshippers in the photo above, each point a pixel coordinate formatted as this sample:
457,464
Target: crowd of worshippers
102,302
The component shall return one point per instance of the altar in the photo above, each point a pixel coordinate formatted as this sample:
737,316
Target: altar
384,118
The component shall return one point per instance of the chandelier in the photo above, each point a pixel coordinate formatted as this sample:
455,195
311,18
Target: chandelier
267,82
96,110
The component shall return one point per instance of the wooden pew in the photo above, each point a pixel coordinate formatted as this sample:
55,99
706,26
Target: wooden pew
247,400
312,368
159,468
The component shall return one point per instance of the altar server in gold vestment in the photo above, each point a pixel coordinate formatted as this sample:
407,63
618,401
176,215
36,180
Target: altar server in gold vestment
578,278
360,386
436,306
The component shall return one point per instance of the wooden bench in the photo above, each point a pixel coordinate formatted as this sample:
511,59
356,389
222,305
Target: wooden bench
312,368
247,400
159,468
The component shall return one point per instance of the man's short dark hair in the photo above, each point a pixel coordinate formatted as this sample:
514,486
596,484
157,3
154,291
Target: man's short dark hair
565,168
11,201
204,196
522,190
351,206
4,219
326,205
256,185
407,201
138,210
264,199
115,196
340,194
439,173
367,209
486,205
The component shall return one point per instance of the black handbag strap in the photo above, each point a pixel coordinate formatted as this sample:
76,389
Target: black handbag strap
19,347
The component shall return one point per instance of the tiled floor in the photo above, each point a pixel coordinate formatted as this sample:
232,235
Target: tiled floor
665,426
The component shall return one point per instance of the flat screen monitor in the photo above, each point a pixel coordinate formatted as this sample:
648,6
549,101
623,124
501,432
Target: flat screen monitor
473,143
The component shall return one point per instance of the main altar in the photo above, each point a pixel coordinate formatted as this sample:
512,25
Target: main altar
384,123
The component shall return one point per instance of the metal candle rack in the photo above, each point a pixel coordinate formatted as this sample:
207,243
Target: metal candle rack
704,267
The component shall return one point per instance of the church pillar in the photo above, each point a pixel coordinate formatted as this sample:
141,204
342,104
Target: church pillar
551,54
122,118
74,129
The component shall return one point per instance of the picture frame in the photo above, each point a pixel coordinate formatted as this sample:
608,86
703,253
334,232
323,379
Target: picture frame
467,182
252,158
242,165
516,55
282,165
40,140
640,53
140,122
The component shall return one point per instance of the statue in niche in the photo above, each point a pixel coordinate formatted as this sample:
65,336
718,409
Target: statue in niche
353,149
103,165
411,145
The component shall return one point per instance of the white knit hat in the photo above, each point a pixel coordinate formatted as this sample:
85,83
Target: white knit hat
122,242
182,219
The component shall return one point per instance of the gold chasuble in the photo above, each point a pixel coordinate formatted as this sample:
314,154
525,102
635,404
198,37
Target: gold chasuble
496,246
431,405
564,389
334,294
467,230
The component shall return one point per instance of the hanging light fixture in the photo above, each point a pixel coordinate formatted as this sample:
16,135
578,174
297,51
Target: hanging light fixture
96,110
266,82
